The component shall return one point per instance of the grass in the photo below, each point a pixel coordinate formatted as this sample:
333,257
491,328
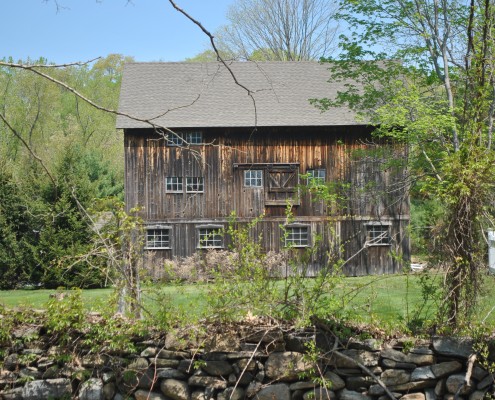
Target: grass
390,299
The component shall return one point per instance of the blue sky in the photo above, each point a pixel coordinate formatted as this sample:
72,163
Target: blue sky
148,30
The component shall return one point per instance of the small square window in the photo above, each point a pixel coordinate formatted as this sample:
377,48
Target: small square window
158,238
173,184
316,177
195,184
194,138
296,236
377,235
253,178
210,237
175,139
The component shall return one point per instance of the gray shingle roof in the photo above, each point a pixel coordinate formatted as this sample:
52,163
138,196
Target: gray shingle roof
193,95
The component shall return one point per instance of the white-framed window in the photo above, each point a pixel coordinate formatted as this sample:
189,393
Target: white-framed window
253,178
173,184
377,234
185,138
195,137
210,237
175,139
297,236
158,237
195,184
316,176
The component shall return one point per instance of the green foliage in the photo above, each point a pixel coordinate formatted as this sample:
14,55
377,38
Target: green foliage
70,154
64,313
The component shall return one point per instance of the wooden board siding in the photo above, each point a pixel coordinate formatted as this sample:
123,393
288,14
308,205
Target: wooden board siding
229,152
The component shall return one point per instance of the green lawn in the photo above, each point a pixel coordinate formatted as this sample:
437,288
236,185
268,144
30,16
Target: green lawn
390,299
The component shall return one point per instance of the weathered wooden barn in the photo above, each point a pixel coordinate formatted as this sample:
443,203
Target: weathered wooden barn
203,142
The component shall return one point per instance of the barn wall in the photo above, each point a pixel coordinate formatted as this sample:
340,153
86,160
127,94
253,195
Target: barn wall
362,170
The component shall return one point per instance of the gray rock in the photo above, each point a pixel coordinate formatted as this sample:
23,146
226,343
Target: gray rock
430,394
286,366
11,362
366,358
456,347
30,373
233,394
12,394
486,382
388,363
217,368
422,374
198,395
319,393
253,388
246,364
477,395
139,363
413,396
367,344
455,385
394,377
108,376
164,363
422,350
377,390
149,352
52,372
359,383
175,389
45,389
352,395
109,390
94,361
393,355
446,368
146,395
45,362
279,391
479,373
186,366
207,381
302,385
440,388
336,382
92,389
170,373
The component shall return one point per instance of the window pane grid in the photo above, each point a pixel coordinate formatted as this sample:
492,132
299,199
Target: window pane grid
253,178
173,184
210,237
194,138
175,139
194,184
297,236
158,238
377,234
316,176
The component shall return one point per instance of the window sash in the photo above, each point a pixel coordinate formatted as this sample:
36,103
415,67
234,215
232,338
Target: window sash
210,238
173,184
253,178
195,184
377,235
194,137
297,236
158,238
316,177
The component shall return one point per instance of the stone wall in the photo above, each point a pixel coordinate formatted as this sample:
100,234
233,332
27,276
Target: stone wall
243,363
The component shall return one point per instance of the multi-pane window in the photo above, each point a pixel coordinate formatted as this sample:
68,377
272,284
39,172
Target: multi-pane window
210,237
316,177
377,234
158,238
296,236
173,184
184,138
194,137
253,178
195,184
175,139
